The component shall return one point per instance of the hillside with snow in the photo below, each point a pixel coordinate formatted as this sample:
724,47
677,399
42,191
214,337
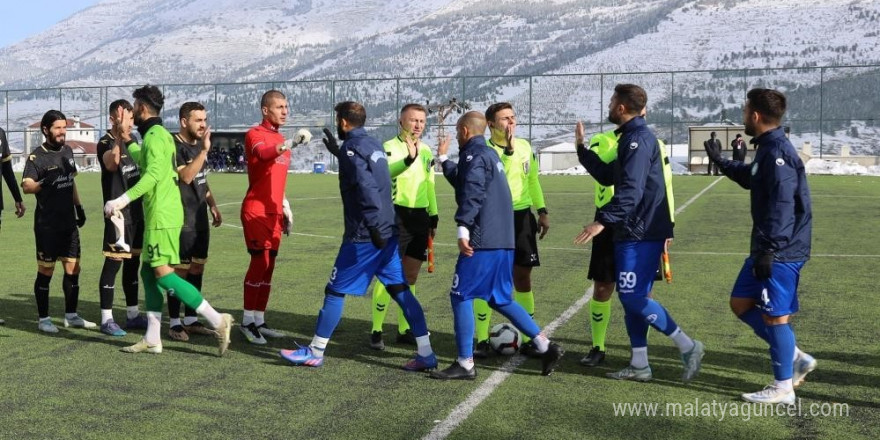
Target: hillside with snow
126,42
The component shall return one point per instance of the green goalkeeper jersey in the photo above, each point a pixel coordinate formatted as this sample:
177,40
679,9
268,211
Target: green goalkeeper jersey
413,186
158,184
521,169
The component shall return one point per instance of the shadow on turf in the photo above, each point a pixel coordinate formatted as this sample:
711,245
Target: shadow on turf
739,363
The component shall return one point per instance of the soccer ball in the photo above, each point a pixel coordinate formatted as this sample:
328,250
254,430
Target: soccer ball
504,339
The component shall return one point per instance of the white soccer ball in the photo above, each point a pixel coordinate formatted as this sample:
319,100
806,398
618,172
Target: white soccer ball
504,339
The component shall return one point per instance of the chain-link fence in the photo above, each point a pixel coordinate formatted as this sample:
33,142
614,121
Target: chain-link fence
830,107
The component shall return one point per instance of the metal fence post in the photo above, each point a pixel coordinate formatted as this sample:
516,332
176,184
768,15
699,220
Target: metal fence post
530,108
601,100
821,104
671,112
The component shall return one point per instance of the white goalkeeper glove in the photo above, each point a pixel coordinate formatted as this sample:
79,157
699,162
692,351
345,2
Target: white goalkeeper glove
288,217
118,221
302,136
116,204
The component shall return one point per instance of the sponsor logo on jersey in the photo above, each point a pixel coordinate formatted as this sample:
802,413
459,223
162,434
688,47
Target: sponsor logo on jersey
633,145
780,162
377,156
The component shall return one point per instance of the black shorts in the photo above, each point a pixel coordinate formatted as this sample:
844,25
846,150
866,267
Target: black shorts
134,237
526,230
194,246
414,226
54,245
602,258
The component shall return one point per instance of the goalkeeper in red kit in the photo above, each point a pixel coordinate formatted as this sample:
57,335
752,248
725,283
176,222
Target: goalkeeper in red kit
265,211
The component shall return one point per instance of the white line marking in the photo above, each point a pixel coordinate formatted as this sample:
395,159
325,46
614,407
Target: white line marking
464,409
697,195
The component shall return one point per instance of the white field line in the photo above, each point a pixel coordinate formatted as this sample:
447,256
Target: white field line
465,408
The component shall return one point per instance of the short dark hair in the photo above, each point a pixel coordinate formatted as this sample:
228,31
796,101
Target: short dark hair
120,103
151,96
50,118
189,107
632,97
351,111
495,108
413,106
270,95
768,102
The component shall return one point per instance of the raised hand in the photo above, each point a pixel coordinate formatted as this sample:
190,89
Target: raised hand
330,142
579,133
443,145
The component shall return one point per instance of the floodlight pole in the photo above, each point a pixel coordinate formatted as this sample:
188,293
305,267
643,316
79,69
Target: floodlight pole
444,110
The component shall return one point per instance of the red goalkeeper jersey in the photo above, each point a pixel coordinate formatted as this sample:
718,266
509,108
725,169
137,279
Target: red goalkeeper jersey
267,170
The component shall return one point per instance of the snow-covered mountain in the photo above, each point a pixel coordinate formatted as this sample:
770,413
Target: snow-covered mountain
185,41
125,42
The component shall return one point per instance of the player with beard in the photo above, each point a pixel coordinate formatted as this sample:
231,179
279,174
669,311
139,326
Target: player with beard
641,218
369,244
193,143
119,172
163,220
765,293
48,175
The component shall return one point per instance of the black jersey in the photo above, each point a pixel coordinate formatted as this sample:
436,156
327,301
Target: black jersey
116,183
195,194
55,171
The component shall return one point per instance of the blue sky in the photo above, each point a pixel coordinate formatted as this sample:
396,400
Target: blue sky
23,18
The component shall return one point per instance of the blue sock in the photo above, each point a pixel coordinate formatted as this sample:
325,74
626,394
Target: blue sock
412,311
651,311
637,329
330,314
781,350
755,319
463,318
518,317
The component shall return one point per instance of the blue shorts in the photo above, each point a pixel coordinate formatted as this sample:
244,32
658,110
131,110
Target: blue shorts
636,263
776,296
487,274
357,263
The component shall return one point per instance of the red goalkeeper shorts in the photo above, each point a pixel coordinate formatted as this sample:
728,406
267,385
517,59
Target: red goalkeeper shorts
262,231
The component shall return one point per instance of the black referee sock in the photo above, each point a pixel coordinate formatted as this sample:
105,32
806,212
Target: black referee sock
41,292
70,284
196,281
173,305
130,269
107,283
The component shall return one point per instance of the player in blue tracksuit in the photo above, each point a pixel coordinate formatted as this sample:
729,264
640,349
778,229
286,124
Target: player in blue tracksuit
369,246
486,242
765,293
640,217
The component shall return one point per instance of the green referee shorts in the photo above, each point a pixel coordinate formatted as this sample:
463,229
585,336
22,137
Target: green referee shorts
161,247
